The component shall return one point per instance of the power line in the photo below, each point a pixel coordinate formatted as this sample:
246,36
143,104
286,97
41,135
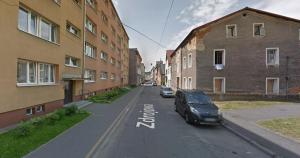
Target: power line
158,43
166,22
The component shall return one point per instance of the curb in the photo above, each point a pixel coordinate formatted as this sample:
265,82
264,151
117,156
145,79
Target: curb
261,143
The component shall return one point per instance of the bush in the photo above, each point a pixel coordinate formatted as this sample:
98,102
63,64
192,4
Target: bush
38,121
71,110
22,130
61,112
52,118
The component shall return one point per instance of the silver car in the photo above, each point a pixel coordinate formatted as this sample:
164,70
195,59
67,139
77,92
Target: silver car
166,92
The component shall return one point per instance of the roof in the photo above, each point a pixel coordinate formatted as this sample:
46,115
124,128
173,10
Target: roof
229,15
168,56
135,50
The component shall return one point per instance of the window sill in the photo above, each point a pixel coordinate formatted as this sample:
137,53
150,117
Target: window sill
91,32
77,36
72,66
39,37
91,57
35,85
89,82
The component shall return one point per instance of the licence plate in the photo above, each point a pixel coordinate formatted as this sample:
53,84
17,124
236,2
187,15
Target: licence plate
210,120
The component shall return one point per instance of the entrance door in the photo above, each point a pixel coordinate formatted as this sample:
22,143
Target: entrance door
68,92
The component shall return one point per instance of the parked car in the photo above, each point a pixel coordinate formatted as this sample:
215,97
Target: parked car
196,107
154,84
166,92
147,84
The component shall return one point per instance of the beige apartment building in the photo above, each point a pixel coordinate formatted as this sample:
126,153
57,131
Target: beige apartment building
52,54
106,48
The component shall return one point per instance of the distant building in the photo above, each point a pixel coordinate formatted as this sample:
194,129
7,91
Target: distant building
148,76
248,52
135,67
158,72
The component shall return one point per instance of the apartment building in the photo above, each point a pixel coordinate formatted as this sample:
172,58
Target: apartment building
41,62
168,68
135,64
248,52
158,72
106,48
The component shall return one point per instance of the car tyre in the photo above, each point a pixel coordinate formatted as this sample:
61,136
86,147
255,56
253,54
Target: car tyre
175,109
187,118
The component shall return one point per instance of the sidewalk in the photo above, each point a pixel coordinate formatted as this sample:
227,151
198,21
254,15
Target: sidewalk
77,141
248,118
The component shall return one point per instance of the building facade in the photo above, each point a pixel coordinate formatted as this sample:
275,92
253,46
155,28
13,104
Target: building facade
168,68
135,67
248,52
106,48
55,52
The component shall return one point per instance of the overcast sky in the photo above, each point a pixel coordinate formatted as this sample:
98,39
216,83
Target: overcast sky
149,16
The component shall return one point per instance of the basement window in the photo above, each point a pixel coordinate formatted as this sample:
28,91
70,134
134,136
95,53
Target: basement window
272,86
29,111
259,30
231,31
40,108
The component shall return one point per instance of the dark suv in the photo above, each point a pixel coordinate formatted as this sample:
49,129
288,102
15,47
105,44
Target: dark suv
196,107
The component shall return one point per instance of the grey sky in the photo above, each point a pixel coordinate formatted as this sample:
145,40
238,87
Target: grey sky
148,16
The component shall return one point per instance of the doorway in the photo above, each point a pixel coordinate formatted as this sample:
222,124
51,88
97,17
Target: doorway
68,92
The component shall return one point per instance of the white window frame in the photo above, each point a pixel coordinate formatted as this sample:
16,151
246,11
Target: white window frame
101,75
49,82
223,57
28,73
39,108
278,85
70,61
184,61
71,29
224,85
102,56
89,25
190,84
229,33
262,34
190,60
91,54
31,111
113,76
37,74
277,56
184,83
87,73
38,25
91,3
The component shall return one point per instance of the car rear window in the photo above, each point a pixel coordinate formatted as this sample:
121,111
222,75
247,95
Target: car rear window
167,89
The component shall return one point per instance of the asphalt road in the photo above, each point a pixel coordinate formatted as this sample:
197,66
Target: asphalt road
164,134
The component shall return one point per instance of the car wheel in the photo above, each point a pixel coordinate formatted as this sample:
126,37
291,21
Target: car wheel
187,118
176,108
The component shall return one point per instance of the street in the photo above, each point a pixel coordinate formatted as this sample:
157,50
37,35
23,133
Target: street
163,133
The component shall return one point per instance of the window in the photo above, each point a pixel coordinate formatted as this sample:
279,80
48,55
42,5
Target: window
113,30
190,86
190,60
78,2
36,25
26,73
46,73
90,76
90,25
118,64
40,108
72,29
272,56
219,85
72,62
104,18
231,31
90,50
258,29
35,73
104,56
184,63
113,46
29,111
113,76
104,37
92,3
103,75
57,1
113,61
272,86
219,59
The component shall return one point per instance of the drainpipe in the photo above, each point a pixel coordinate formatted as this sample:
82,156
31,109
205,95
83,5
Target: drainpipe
83,55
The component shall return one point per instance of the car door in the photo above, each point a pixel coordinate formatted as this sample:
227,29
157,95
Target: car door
181,105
